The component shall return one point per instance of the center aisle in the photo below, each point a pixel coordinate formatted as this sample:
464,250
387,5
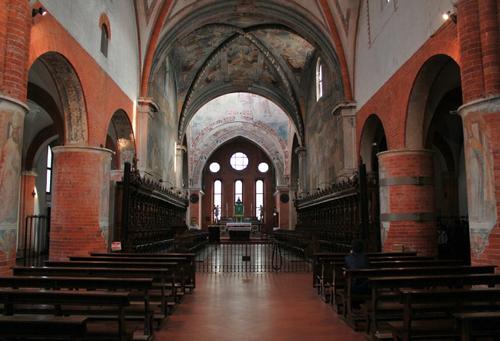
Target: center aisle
255,307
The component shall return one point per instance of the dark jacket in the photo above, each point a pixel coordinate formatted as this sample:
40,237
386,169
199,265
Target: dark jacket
356,261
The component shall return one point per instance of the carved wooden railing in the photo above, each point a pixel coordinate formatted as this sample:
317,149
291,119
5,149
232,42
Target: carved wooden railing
346,210
149,214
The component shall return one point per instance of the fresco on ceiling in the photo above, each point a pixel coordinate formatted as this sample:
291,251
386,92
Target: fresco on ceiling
162,126
239,62
191,52
240,106
293,49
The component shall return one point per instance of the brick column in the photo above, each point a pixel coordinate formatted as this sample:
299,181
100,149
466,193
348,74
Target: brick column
407,212
80,214
478,33
15,26
481,120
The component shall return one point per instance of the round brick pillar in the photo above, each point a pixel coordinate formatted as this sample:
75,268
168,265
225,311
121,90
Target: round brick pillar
407,212
80,200
15,26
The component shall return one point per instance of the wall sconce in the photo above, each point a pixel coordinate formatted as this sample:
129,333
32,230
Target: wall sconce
450,15
40,10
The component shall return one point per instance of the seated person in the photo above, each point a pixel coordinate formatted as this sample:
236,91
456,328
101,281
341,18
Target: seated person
357,260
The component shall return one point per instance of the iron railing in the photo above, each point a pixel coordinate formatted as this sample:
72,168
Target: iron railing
35,240
251,256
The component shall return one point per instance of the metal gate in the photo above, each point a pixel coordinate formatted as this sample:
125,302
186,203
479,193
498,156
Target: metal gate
35,240
261,256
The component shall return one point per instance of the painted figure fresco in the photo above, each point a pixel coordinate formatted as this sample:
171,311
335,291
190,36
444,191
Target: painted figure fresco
481,195
10,170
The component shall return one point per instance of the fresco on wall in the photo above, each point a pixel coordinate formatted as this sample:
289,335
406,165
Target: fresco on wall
324,147
11,125
238,114
480,183
162,126
10,165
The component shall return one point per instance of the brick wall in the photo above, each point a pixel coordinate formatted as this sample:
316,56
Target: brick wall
15,23
80,179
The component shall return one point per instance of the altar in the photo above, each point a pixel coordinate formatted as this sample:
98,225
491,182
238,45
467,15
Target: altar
239,230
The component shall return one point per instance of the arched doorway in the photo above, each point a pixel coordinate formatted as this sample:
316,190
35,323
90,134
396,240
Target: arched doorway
373,141
433,124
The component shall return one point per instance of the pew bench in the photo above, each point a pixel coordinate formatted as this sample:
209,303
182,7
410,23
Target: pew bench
174,284
167,300
429,313
344,278
385,303
12,298
137,288
473,324
184,271
187,258
43,327
331,268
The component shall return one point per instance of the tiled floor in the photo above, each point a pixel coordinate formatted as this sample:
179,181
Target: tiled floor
278,307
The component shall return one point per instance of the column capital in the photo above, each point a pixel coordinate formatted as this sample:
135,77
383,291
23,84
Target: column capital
16,102
180,148
300,150
147,105
484,105
403,152
32,173
81,149
341,109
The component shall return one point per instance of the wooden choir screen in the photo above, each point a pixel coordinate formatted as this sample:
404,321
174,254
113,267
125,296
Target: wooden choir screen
347,210
148,215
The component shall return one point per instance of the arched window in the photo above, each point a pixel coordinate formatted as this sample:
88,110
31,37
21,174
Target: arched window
217,199
319,79
104,39
259,199
238,190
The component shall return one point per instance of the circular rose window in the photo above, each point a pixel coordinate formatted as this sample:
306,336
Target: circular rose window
263,167
239,161
214,167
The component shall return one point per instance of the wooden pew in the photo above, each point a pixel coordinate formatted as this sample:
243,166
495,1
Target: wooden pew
339,283
347,297
321,257
190,259
160,277
177,270
473,324
142,285
427,312
118,300
186,274
329,267
45,326
385,291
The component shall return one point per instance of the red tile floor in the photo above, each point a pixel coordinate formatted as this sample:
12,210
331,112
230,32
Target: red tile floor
278,307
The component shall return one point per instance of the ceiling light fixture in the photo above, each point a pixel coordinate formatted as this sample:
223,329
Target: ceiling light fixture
40,10
450,15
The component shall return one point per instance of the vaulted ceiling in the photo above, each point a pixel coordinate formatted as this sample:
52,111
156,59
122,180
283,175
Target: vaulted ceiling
217,47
